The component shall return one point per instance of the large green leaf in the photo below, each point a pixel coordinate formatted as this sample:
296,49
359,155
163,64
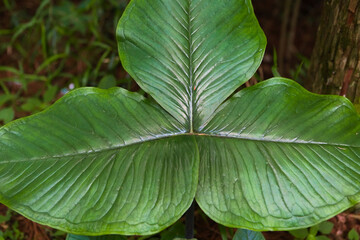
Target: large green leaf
190,55
109,162
244,234
106,237
278,157
99,162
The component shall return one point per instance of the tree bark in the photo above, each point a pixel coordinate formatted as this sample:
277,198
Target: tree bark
335,62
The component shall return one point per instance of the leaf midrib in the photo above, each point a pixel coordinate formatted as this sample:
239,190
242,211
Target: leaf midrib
276,140
191,80
283,141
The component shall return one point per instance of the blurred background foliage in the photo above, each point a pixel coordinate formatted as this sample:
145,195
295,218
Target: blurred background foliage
52,46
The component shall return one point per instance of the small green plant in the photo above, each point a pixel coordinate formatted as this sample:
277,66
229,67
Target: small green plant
270,157
64,43
243,234
316,232
11,232
353,235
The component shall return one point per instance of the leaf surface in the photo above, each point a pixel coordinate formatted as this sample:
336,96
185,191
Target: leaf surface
278,157
190,55
105,237
99,162
244,234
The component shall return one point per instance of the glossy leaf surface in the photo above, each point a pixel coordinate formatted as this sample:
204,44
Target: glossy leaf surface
278,157
99,161
190,55
244,234
106,237
108,161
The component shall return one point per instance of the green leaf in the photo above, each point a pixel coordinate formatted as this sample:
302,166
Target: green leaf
357,107
10,69
50,93
49,61
311,237
314,230
274,68
277,157
99,162
223,232
4,218
31,105
322,238
108,81
326,227
58,233
353,235
7,217
7,114
19,31
5,98
244,234
106,237
176,230
190,55
300,233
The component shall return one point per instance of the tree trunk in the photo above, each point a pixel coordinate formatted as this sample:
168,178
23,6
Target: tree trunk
335,62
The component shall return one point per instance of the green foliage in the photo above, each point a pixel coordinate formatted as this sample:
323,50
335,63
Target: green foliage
300,233
63,43
109,161
106,82
223,232
353,235
12,232
244,234
357,106
7,114
299,73
274,68
326,227
176,231
108,237
314,232
7,217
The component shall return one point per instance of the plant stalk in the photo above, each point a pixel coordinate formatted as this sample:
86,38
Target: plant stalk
189,222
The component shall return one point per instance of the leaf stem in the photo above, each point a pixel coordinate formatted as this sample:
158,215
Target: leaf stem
189,222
